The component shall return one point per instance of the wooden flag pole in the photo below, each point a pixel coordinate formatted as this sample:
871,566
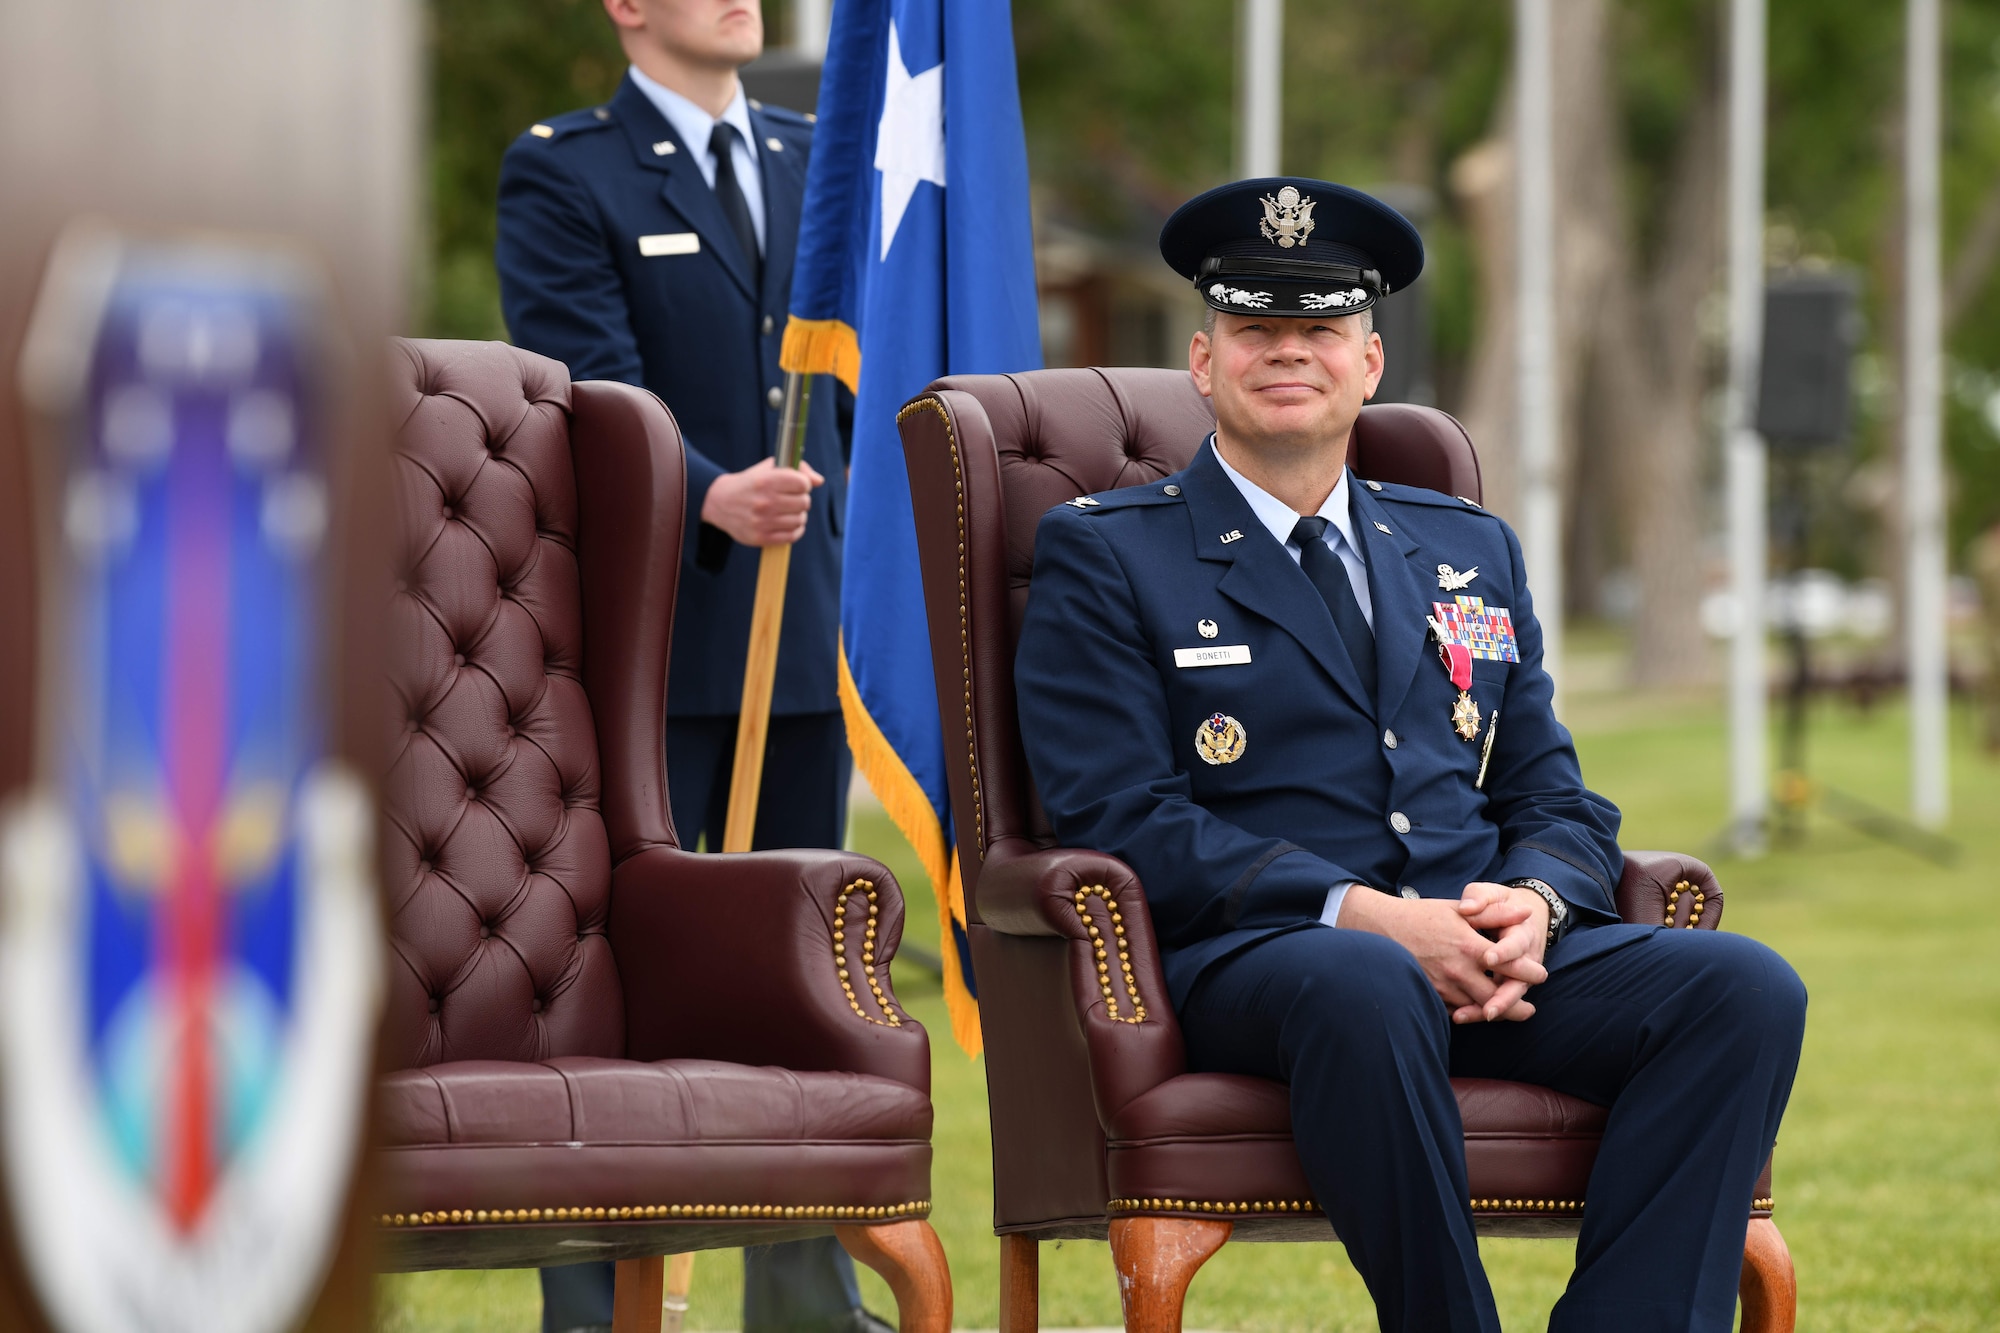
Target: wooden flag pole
767,616
753,724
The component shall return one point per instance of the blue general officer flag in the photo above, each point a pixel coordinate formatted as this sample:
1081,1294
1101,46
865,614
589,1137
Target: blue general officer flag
916,260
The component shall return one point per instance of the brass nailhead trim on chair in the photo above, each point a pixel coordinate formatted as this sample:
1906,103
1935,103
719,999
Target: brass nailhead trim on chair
867,956
1694,912
1082,899
661,1212
931,403
1233,1208
1556,1206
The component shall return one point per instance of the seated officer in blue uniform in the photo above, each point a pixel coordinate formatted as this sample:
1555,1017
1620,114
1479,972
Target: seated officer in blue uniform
650,240
1310,712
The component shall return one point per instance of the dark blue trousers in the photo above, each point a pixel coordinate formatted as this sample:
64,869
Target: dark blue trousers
1690,1037
804,1286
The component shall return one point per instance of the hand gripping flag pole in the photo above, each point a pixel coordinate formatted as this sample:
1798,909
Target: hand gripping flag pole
767,616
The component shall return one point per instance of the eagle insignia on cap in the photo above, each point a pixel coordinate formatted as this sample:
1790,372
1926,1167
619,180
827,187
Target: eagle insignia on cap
1237,296
1288,219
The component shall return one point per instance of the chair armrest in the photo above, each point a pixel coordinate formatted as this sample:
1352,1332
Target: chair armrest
736,958
1669,889
1116,986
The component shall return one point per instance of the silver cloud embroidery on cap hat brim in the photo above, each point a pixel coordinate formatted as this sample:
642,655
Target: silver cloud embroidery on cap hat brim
1237,296
1332,300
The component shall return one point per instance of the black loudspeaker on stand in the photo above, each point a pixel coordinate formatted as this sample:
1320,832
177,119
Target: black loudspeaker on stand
1811,329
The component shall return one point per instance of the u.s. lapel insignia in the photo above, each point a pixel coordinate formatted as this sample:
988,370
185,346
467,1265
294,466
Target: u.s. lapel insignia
1233,535
1220,740
1451,580
1288,219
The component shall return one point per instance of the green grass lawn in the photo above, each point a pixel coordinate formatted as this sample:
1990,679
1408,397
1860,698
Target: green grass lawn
1888,1179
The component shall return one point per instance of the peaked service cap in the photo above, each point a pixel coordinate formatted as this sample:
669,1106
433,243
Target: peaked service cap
1288,245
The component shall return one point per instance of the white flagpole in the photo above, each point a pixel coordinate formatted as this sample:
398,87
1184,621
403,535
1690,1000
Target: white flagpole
1923,468
1747,473
1535,361
1260,87
810,19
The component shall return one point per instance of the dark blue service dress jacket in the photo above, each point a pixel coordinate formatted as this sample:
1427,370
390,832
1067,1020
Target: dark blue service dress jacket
1331,786
616,259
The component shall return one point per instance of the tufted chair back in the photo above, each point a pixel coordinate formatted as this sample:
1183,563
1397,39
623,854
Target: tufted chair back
497,844
1027,442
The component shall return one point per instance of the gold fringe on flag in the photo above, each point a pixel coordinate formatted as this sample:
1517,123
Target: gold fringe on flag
822,347
911,811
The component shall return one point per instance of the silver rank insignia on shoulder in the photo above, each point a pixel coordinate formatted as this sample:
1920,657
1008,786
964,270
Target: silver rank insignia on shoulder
1208,629
1220,740
1288,219
1082,502
1233,535
1451,580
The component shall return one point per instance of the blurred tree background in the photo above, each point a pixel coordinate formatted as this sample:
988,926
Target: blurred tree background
1129,107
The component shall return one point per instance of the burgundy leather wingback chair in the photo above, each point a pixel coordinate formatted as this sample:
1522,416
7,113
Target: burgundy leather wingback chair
1098,1128
603,1046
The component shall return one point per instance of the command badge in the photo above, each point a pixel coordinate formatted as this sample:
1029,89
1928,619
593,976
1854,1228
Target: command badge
1220,740
1288,219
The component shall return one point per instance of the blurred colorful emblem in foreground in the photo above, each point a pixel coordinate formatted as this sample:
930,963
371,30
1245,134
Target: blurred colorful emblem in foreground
188,951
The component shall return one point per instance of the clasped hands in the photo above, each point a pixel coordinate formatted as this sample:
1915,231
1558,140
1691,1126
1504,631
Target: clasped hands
1482,976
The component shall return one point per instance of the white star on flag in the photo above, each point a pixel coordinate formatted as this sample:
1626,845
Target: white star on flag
909,143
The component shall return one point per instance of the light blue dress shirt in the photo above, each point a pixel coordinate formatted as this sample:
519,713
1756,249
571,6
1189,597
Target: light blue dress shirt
1281,518
695,126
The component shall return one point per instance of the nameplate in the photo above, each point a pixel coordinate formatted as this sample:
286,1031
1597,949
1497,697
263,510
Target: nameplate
670,243
1232,655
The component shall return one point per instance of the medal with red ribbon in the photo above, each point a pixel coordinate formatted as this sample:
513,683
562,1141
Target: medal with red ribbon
1457,659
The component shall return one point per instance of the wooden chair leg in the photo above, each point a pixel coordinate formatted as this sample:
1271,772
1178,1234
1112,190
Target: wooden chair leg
1156,1258
1020,1284
911,1260
635,1299
674,1300
1769,1288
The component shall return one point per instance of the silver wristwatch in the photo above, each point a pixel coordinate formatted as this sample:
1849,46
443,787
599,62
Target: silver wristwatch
1558,909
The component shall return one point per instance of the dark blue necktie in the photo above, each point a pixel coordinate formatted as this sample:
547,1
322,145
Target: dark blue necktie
722,142
1329,575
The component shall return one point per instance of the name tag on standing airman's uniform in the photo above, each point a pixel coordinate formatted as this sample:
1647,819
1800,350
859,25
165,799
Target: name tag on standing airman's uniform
670,243
1232,655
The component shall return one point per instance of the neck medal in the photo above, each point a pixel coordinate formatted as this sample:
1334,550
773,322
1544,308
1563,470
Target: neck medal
1457,659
